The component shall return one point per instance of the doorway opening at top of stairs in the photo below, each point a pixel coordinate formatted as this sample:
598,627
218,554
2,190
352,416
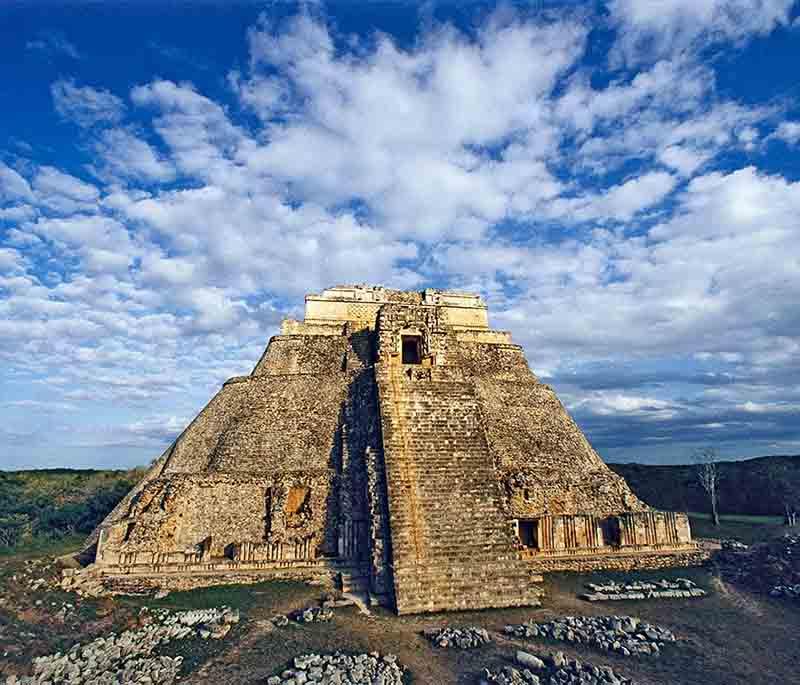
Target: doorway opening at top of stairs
412,349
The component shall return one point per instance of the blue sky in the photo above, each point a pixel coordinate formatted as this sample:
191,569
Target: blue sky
620,180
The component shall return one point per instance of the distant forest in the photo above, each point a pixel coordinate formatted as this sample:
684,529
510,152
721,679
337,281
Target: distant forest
760,486
38,506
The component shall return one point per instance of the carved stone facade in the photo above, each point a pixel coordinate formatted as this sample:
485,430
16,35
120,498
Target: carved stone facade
395,440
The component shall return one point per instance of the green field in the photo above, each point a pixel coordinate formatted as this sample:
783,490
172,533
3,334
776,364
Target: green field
747,529
44,510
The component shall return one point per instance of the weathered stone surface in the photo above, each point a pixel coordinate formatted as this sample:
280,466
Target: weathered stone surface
339,669
128,657
552,670
625,635
463,638
682,588
391,440
771,567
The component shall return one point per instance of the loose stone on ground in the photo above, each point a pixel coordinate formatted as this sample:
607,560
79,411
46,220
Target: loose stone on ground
681,588
341,669
463,638
623,635
555,669
311,615
128,657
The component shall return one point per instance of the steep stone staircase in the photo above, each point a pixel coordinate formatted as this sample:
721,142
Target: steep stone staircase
452,547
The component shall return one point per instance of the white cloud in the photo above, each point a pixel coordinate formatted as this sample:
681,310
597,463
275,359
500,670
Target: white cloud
788,131
418,166
62,192
53,43
12,185
86,106
682,158
123,155
621,202
669,26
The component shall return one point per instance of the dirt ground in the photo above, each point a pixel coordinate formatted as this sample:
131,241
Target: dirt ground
730,637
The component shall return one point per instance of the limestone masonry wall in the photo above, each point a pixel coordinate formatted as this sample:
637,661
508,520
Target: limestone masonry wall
445,478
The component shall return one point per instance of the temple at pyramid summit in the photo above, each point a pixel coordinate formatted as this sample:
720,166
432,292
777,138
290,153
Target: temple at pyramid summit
391,442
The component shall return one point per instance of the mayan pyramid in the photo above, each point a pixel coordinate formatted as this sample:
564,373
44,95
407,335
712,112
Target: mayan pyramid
391,441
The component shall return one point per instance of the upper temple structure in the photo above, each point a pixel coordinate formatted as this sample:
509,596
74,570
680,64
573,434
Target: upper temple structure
393,442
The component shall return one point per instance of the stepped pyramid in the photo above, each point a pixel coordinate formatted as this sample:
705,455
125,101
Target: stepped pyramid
393,442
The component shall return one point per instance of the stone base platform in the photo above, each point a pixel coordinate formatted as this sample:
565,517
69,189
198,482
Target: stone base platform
97,580
585,561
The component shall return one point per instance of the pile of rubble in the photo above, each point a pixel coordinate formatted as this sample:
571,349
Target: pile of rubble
36,574
786,591
552,670
611,591
623,635
311,615
357,669
733,545
128,657
463,638
765,566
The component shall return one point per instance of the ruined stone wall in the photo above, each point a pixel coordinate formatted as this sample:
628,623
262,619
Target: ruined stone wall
303,354
277,432
258,473
480,359
545,463
364,504
633,560
199,517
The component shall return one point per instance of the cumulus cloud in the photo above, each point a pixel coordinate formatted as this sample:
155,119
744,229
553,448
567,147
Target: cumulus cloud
13,186
620,202
652,284
789,132
655,28
86,106
123,155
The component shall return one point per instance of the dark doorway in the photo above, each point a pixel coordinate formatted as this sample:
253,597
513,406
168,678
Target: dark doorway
529,534
412,349
611,531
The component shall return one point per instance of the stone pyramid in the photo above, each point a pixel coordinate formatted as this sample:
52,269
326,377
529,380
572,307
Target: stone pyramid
394,443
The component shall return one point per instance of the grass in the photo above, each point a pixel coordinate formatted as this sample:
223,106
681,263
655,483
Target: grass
43,546
747,529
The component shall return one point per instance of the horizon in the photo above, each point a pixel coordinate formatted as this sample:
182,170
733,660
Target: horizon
619,182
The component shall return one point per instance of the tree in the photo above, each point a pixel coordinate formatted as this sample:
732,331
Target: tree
789,514
13,528
707,460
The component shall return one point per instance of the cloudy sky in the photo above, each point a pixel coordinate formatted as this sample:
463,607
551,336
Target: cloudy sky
620,180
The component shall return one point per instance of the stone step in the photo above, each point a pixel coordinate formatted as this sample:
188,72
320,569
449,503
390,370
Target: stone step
470,601
445,503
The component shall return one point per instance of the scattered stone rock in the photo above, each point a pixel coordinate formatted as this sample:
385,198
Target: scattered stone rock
312,615
771,567
552,670
128,657
611,591
463,638
529,660
786,591
733,545
623,635
341,669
